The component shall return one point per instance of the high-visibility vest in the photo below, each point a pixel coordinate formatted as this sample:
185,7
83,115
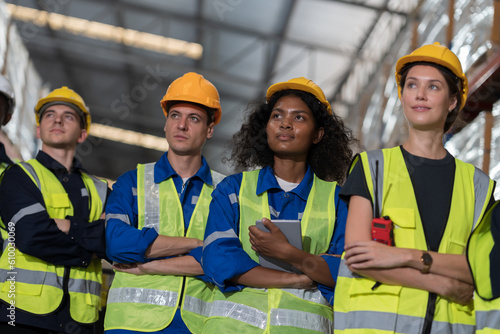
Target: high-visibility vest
148,303
486,303
3,230
396,309
39,284
272,310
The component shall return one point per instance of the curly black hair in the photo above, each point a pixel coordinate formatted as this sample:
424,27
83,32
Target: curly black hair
328,159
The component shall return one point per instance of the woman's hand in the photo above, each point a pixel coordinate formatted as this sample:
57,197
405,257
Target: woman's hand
273,243
304,282
458,292
372,255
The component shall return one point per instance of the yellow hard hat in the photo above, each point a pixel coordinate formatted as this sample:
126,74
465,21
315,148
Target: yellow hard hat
193,87
437,54
302,84
66,96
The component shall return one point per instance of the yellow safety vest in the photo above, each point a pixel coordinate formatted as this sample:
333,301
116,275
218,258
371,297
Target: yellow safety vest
148,303
487,304
3,230
38,284
394,308
278,310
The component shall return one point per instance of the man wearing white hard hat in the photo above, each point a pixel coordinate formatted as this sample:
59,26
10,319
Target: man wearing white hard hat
7,103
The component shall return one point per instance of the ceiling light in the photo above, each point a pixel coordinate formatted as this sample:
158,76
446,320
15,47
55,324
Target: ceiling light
129,137
107,32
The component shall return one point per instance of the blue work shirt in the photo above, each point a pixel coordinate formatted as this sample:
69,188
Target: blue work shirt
128,244
224,257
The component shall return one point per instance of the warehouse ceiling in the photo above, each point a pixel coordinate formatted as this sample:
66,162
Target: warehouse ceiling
245,45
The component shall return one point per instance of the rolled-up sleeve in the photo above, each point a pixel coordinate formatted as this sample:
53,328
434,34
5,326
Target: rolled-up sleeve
223,255
125,243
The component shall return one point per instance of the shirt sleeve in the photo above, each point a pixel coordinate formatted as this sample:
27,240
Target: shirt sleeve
355,184
223,255
36,234
89,236
125,243
336,247
197,254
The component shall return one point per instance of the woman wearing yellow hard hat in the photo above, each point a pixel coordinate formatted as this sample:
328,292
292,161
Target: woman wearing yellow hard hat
428,201
303,150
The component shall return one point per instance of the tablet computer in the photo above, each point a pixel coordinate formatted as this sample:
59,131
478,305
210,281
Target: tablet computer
292,231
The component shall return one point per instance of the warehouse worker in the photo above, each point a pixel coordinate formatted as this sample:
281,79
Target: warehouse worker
158,212
422,285
7,103
53,212
483,253
303,149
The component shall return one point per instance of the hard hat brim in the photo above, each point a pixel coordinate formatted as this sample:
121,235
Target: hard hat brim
277,87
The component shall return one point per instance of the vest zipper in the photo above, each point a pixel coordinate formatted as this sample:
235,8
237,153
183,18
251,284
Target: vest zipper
429,313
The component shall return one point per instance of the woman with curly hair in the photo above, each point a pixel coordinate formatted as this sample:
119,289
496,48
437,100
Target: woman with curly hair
302,150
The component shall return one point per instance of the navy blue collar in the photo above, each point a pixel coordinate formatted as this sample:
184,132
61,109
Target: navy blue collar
164,170
56,167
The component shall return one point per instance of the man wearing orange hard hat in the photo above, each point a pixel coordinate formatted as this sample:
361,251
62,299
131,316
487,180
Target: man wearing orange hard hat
53,211
156,219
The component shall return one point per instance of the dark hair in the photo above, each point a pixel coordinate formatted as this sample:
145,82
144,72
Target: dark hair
453,82
78,111
210,111
5,112
328,159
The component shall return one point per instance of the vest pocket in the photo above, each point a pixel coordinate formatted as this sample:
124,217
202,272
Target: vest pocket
367,306
456,247
404,225
59,201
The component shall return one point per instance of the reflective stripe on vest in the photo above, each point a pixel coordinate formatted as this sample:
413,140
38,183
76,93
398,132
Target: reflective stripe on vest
143,296
296,309
278,317
149,302
51,279
38,283
400,309
29,210
488,321
479,252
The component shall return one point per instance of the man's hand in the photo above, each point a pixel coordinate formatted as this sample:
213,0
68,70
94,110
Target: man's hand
63,225
130,268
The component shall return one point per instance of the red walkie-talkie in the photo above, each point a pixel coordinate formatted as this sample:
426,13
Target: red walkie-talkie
382,231
382,227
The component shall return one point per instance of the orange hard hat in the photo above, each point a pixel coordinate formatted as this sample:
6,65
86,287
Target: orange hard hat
193,87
